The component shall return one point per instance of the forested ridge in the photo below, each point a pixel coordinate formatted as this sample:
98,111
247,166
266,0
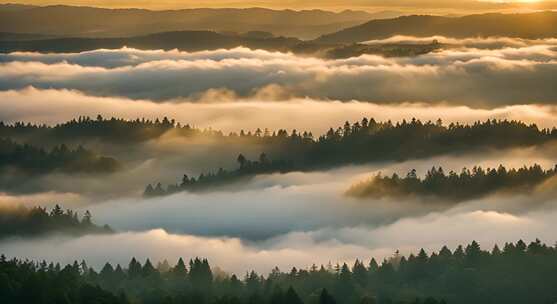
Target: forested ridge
452,186
413,133
247,169
37,221
112,130
516,273
366,141
353,143
29,159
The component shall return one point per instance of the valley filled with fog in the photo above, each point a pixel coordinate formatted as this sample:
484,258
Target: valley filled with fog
285,219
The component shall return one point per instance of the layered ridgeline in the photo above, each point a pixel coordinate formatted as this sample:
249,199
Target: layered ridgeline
362,142
182,40
540,25
135,28
452,186
21,221
79,21
192,41
518,273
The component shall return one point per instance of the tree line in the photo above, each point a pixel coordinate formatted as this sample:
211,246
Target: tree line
516,273
112,130
364,140
36,221
466,185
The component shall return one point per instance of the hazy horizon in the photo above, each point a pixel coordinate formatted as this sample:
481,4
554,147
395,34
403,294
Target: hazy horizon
406,6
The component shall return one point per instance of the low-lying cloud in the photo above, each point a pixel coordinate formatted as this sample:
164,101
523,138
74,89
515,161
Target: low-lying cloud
520,74
283,220
233,114
479,42
297,219
295,249
167,158
271,205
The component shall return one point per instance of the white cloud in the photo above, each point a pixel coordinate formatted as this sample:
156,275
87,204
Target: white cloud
54,106
490,77
295,249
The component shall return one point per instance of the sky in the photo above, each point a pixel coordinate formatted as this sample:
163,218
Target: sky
372,5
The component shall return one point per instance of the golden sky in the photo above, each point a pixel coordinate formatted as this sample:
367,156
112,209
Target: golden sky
307,4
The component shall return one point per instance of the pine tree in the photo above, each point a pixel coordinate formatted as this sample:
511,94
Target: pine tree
148,268
291,297
326,298
180,269
134,268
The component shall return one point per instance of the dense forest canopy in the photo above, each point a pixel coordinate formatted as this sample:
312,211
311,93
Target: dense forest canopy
452,186
517,273
32,222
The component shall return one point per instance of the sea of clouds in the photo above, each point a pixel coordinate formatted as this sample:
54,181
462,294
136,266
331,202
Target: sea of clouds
519,73
293,219
296,219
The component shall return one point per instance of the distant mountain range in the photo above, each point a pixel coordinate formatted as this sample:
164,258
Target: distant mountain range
76,21
342,44
183,40
531,26
206,40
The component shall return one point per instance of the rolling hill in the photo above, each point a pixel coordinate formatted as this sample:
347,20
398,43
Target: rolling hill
75,21
182,40
531,26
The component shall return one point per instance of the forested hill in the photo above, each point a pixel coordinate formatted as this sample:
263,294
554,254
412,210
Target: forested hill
530,26
362,142
223,178
111,130
37,221
517,273
22,163
29,159
454,187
